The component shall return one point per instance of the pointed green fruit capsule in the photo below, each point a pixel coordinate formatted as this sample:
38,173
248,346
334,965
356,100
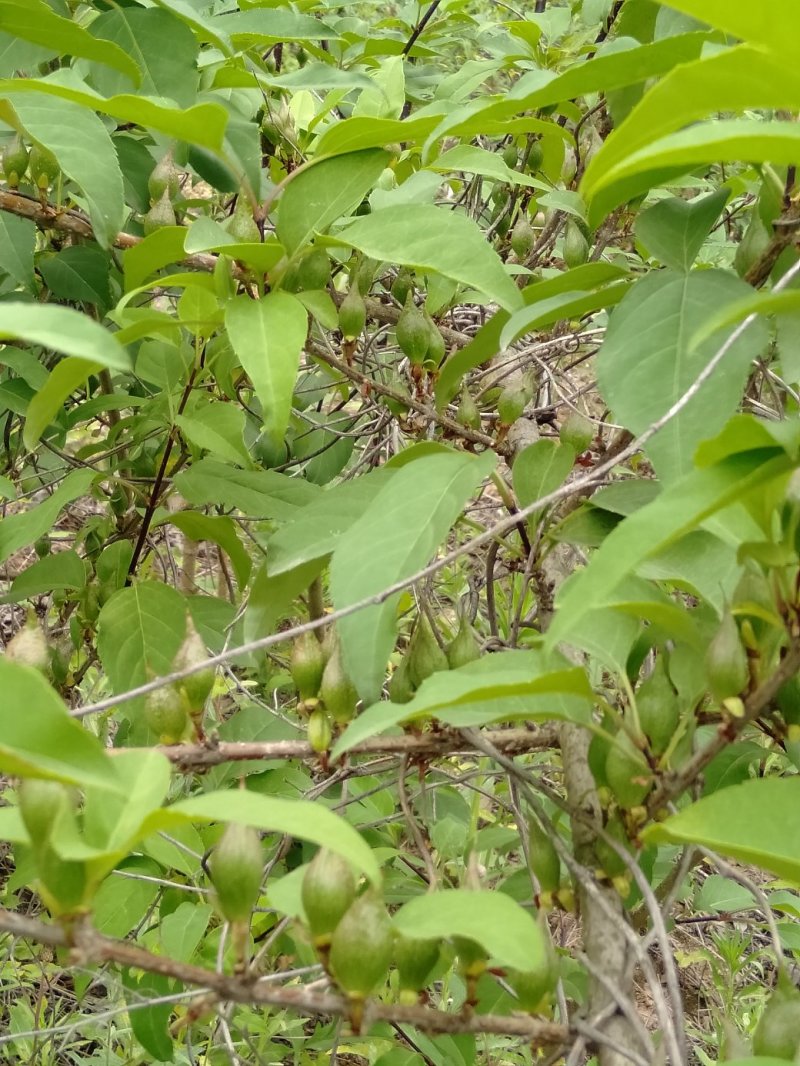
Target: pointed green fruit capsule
576,431
543,857
197,687
788,700
425,657
40,803
328,890
628,775
535,157
236,867
352,314
534,987
436,344
396,382
337,691
658,707
314,271
726,661
612,863
522,238
165,714
361,948
15,161
777,1034
511,402
306,665
415,960
318,730
401,690
468,414
164,179
241,225
29,646
364,274
412,332
161,214
43,167
510,156
472,957
402,285
464,647
576,247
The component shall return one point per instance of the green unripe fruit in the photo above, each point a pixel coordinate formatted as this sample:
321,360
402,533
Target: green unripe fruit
328,890
788,700
268,453
161,214
314,271
726,661
319,731
576,431
241,225
628,775
29,646
468,414
361,947
752,246
387,180
425,657
510,156
402,285
164,179
42,547
236,867
197,687
401,690
62,882
40,802
165,714
534,987
306,665
352,314
522,238
471,956
501,195
612,863
543,858
364,274
576,247
511,402
658,708
535,157
464,647
43,167
412,332
397,407
337,691
15,161
415,960
777,1034
436,343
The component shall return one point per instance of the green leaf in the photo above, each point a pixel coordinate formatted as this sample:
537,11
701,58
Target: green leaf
169,72
754,303
645,363
565,305
764,832
678,509
510,935
23,528
181,932
61,382
298,818
779,32
220,530
205,235
79,274
673,230
325,192
403,526
120,902
39,739
139,632
471,160
353,134
272,595
268,336
247,28
35,20
433,239
84,149
161,248
540,468
503,687
59,570
64,330
216,427
264,493
17,244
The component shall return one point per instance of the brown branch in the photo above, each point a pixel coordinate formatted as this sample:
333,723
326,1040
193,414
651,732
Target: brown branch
90,947
428,745
785,233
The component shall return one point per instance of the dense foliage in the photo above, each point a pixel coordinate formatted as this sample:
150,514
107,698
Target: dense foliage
401,594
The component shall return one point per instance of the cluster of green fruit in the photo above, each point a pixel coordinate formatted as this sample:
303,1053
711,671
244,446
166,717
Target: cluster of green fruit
38,163
171,708
424,657
326,694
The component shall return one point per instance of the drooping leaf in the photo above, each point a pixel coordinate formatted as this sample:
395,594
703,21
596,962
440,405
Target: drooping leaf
79,274
64,330
61,570
24,527
265,493
17,244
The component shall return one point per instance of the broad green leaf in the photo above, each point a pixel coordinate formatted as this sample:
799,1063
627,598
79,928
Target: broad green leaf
17,244
397,534
35,20
298,818
317,76
325,192
120,902
755,303
23,528
645,364
566,305
216,427
678,509
673,230
205,28
59,570
354,134
434,239
64,330
149,1016
39,739
161,248
540,468
247,28
61,382
181,932
205,235
113,824
264,493
503,687
774,27
473,160
139,632
220,530
764,832
79,274
510,935
271,596
83,147
169,73
268,336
